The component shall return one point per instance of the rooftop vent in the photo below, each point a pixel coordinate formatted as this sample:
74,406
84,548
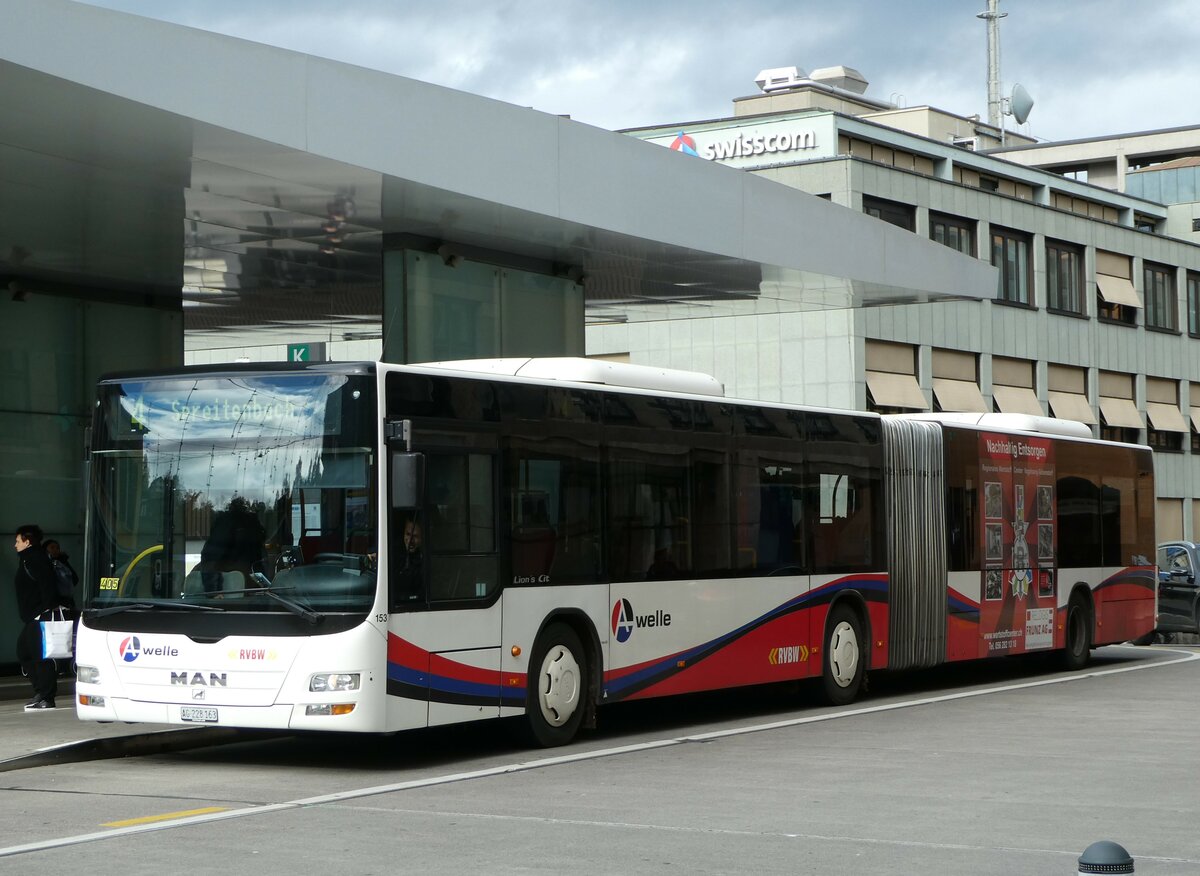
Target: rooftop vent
845,78
779,78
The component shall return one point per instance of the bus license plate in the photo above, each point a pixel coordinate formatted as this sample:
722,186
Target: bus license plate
198,714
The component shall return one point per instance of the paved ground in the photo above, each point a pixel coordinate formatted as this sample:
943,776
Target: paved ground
36,738
986,768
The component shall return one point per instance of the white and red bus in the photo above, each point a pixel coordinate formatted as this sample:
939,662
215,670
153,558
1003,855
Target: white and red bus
371,547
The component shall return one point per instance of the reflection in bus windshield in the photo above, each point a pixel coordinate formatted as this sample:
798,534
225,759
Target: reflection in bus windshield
211,491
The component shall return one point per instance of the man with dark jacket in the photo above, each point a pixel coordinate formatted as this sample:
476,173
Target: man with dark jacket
36,593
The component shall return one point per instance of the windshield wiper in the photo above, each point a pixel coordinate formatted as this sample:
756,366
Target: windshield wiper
148,606
291,605
308,614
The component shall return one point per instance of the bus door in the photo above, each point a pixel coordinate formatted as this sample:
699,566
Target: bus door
444,643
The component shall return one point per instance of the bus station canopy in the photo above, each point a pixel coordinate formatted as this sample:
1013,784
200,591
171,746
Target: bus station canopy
146,158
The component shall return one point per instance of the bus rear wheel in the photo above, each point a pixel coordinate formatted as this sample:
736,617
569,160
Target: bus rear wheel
843,666
1078,635
557,686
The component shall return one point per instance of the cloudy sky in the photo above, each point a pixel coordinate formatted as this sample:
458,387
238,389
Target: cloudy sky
1093,66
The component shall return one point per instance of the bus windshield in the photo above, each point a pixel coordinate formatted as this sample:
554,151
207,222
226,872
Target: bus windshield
239,493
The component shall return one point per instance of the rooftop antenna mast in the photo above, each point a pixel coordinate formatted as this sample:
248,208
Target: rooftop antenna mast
995,101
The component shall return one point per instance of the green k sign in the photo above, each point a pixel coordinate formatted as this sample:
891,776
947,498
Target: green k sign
309,352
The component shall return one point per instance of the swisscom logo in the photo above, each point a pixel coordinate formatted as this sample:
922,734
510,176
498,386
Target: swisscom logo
624,620
130,649
685,144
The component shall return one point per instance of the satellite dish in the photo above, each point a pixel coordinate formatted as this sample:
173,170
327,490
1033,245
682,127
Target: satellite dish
1020,104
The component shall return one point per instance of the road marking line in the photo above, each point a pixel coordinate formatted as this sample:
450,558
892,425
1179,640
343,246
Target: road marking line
61,842
725,831
166,816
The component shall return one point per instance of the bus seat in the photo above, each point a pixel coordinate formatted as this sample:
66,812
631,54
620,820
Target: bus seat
326,543
533,550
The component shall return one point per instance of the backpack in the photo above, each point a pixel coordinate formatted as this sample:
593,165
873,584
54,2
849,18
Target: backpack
64,581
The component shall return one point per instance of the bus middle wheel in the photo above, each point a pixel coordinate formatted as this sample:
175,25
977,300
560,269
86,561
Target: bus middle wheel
844,661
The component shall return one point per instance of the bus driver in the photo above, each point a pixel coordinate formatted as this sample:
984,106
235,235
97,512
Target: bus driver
408,579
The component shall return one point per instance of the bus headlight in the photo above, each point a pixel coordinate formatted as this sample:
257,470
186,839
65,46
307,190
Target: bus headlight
334,681
87,674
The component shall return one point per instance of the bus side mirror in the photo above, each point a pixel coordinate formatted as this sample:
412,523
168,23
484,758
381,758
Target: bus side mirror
408,480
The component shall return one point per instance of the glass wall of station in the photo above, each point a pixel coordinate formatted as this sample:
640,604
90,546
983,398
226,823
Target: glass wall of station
439,308
52,350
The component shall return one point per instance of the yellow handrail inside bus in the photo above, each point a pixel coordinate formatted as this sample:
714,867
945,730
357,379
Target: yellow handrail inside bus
134,562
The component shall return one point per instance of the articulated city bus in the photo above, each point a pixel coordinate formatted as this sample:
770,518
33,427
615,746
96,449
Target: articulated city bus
371,547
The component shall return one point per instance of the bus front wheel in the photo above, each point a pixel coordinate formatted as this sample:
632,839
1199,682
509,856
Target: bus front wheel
557,687
844,660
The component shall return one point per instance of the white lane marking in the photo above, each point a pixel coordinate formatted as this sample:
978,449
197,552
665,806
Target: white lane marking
726,831
542,763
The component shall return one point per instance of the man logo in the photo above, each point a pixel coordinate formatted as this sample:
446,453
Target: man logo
622,620
130,649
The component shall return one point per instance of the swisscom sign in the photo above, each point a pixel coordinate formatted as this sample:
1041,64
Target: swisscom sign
749,146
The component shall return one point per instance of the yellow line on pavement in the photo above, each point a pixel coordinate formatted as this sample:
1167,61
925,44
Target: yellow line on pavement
168,816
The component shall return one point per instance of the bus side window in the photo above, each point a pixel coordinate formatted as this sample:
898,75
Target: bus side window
408,559
460,532
453,554
770,514
649,508
843,537
554,506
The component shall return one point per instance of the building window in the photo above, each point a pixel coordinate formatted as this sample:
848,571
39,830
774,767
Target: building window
1119,433
892,386
1064,278
1171,442
953,232
1158,291
889,211
1010,253
1116,299
988,183
1110,312
1193,304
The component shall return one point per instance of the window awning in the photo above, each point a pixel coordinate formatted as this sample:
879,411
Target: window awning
1120,412
1166,418
1017,400
892,390
1117,290
1071,406
1196,419
959,395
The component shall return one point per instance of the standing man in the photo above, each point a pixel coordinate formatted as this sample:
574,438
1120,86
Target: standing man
36,593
